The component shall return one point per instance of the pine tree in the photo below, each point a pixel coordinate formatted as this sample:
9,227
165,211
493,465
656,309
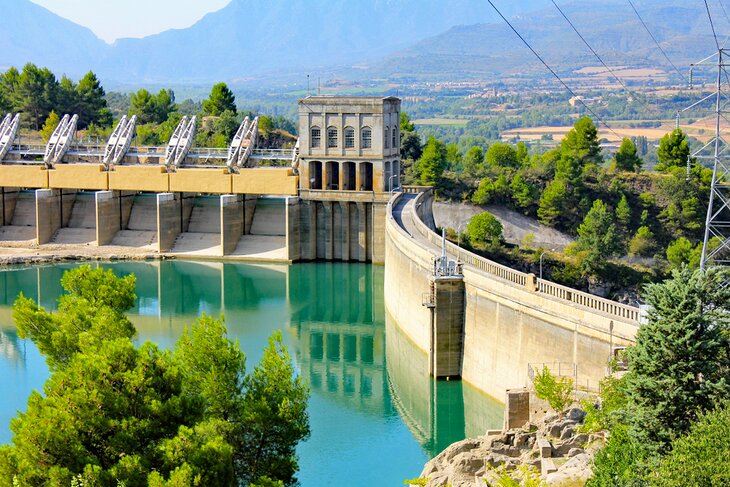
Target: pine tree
221,98
626,159
680,365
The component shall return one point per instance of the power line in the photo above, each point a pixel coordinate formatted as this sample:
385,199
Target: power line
552,71
628,90
657,42
723,10
712,25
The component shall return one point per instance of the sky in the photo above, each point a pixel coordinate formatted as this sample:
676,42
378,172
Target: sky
114,19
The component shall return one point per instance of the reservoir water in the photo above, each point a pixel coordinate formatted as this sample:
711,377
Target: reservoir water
376,416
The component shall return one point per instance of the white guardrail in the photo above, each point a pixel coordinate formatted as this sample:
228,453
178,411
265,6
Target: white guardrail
585,300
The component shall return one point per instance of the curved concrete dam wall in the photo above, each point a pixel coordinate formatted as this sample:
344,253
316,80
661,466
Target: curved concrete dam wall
511,320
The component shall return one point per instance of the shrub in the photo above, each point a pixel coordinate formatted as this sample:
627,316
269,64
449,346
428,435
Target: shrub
557,391
484,229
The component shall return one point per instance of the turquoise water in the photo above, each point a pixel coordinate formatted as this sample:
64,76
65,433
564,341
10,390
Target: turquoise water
376,417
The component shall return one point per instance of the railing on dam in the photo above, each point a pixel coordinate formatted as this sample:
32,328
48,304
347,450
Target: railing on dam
547,288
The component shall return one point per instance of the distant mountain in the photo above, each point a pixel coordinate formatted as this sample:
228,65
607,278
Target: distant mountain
610,27
430,38
245,38
30,33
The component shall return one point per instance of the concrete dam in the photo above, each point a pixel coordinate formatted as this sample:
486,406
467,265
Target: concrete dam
335,196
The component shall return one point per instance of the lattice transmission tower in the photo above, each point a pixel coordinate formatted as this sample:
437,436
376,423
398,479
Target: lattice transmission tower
716,244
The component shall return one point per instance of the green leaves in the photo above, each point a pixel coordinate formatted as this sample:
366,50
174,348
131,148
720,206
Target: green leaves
113,412
221,99
484,229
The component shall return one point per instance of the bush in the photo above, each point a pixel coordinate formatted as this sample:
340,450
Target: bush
700,458
484,229
557,391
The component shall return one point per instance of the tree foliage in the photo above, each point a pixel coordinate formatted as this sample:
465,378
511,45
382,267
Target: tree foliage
700,457
433,161
557,391
484,229
680,364
36,92
114,412
673,150
221,99
597,237
626,159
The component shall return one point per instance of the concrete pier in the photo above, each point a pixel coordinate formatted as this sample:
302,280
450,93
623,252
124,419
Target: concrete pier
447,327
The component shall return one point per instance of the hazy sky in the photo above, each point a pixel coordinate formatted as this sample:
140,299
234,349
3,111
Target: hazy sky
112,19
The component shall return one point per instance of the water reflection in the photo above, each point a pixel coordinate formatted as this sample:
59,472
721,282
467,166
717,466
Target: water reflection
376,415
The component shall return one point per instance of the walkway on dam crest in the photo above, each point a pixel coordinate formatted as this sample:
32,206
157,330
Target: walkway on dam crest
405,212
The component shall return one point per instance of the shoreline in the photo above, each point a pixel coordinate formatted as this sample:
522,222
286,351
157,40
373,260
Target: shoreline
49,254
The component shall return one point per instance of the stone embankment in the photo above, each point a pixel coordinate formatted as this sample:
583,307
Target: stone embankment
555,450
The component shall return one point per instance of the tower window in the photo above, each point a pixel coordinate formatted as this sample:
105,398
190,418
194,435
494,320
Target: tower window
367,138
394,142
331,137
387,137
349,137
316,137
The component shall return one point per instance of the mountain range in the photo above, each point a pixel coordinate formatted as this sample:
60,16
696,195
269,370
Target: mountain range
390,38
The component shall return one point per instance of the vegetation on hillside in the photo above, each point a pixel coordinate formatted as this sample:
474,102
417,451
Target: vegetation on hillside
116,413
667,416
631,226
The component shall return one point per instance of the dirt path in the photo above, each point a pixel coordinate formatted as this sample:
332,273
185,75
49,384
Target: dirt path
515,225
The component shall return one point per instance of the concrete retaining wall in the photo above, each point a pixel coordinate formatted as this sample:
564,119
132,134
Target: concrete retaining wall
169,224
507,327
48,214
231,216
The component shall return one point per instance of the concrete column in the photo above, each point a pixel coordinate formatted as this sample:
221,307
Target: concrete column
341,181
293,233
516,408
378,233
324,166
337,231
362,233
328,230
108,216
186,209
47,214
169,220
308,230
231,216
358,183
345,236
8,198
249,208
448,326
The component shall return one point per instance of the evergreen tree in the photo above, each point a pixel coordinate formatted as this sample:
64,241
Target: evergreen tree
221,98
673,151
405,123
582,143
49,126
433,161
474,162
597,237
91,103
626,159
114,413
501,155
680,365
523,193
553,202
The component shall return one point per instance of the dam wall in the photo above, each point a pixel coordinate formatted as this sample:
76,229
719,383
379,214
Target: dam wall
514,323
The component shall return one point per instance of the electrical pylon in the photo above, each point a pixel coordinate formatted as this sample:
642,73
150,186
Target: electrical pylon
716,244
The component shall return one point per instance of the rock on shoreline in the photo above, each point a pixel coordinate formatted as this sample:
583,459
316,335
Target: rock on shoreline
554,449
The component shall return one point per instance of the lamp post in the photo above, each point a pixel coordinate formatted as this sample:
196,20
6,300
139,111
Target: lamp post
390,182
458,234
541,256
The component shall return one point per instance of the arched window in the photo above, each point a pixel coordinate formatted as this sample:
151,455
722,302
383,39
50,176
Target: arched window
394,141
316,138
367,138
331,137
387,138
349,137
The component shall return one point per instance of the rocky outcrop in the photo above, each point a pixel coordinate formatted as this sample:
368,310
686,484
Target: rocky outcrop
555,449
